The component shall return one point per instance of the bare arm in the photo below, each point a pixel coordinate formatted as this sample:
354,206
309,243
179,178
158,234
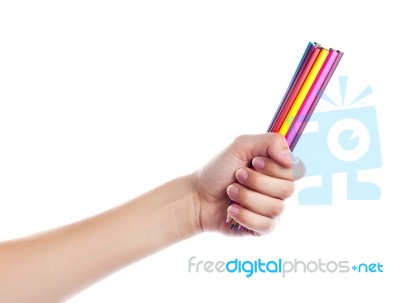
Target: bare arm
51,266
55,265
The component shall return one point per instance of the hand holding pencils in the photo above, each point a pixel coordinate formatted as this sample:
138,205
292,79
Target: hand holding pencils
308,83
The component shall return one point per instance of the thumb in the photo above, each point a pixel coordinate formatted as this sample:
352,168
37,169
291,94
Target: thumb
271,145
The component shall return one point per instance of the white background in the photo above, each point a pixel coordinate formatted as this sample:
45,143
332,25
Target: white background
103,100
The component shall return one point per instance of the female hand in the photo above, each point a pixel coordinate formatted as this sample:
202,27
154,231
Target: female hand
258,191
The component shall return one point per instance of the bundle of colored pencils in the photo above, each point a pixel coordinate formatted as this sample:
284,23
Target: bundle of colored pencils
312,75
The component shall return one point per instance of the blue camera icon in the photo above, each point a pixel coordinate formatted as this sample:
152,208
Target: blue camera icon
346,140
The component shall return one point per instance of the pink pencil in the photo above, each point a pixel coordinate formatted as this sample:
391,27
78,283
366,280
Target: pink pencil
312,94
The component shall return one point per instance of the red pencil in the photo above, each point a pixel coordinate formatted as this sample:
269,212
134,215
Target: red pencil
314,105
306,56
285,109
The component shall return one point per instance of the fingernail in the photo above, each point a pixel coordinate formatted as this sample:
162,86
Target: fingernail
232,191
258,163
242,175
233,210
228,218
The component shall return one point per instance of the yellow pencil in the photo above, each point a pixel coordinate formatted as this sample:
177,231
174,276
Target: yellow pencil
304,91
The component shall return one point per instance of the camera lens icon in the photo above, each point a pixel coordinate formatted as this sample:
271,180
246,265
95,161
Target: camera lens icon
344,140
348,139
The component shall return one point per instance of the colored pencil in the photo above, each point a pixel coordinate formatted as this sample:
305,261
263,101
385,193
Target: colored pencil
299,71
303,91
294,92
314,104
312,94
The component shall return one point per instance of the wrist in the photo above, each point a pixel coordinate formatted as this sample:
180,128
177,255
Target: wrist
186,210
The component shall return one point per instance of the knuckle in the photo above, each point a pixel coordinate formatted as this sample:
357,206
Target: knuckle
240,140
268,227
277,137
288,189
277,209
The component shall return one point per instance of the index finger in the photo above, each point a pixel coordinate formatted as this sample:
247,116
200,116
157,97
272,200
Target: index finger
270,167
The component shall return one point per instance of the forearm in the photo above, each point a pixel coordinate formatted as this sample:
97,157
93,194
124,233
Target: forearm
52,266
